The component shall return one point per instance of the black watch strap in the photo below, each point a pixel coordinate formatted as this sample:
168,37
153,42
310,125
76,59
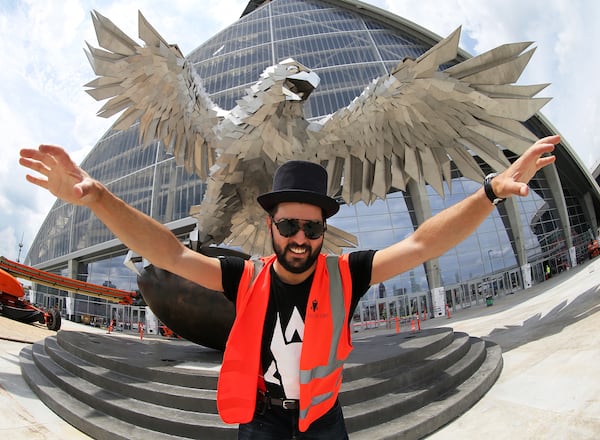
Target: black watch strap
489,192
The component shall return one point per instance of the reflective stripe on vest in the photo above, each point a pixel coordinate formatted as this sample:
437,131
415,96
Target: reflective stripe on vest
339,315
239,376
321,377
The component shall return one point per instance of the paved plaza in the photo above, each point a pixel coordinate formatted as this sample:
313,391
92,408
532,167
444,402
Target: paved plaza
549,386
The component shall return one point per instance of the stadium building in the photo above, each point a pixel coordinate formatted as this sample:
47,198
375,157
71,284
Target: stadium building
348,44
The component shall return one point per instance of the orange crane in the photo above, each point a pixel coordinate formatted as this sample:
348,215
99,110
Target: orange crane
15,306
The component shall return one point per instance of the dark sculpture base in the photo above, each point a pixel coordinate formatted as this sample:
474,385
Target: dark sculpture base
193,312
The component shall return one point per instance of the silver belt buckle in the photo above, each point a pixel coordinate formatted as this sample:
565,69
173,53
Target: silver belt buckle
288,404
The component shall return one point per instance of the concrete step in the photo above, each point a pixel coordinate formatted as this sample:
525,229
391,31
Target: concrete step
404,399
381,352
150,359
159,418
175,396
90,421
403,372
116,387
447,407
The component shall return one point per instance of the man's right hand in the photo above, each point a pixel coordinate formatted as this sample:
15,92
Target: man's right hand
63,178
136,230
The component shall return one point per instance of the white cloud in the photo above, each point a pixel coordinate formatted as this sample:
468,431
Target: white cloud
42,98
565,34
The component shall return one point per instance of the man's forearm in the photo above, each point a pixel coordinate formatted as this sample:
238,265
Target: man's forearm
453,225
136,230
435,236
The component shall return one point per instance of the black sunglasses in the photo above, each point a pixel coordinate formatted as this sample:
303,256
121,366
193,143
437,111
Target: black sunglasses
288,227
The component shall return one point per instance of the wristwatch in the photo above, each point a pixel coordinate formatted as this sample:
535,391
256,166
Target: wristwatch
489,192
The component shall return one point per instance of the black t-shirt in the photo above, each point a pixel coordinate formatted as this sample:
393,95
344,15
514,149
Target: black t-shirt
284,322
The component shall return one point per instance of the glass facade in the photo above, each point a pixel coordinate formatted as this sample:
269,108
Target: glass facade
347,47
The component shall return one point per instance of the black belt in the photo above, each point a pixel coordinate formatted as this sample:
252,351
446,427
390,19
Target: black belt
265,402
285,403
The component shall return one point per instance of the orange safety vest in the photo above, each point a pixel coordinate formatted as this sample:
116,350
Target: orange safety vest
326,345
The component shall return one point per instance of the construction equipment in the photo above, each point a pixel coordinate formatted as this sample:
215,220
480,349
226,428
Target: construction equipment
15,306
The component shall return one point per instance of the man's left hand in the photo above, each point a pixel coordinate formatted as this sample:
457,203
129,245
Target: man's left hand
513,181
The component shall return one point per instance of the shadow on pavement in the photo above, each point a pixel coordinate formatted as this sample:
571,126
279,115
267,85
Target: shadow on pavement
537,326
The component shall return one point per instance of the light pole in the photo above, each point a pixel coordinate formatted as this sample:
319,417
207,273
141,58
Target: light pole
490,257
20,247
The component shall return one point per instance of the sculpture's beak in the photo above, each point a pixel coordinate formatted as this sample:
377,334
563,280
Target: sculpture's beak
299,86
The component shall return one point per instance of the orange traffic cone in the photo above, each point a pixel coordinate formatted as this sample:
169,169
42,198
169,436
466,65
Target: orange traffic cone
397,325
447,311
412,325
418,323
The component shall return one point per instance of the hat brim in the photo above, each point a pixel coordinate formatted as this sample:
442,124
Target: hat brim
269,200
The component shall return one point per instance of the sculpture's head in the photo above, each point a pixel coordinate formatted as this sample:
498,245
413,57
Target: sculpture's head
300,81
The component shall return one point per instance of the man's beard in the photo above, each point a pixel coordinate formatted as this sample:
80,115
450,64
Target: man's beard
295,266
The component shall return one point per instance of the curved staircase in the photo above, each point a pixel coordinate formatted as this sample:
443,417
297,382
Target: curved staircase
403,385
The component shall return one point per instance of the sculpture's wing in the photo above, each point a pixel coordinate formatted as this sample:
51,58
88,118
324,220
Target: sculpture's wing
413,122
157,86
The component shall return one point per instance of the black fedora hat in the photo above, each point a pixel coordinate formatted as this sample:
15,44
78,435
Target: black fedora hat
300,181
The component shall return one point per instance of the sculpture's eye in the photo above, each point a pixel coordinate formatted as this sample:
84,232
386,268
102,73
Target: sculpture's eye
292,69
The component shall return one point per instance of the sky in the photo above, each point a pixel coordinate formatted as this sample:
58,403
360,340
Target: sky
43,70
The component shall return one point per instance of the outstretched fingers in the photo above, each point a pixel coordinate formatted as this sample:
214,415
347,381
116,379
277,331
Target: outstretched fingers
55,154
37,181
543,148
536,157
33,160
544,161
518,175
34,165
59,174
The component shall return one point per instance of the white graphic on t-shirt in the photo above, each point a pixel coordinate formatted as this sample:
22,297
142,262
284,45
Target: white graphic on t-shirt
286,354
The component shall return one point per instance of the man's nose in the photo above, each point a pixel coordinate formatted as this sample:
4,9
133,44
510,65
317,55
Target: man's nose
300,235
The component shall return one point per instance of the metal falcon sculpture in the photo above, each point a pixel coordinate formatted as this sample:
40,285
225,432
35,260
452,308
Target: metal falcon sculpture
409,124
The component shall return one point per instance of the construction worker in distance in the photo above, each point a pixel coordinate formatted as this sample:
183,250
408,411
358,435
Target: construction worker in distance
593,249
